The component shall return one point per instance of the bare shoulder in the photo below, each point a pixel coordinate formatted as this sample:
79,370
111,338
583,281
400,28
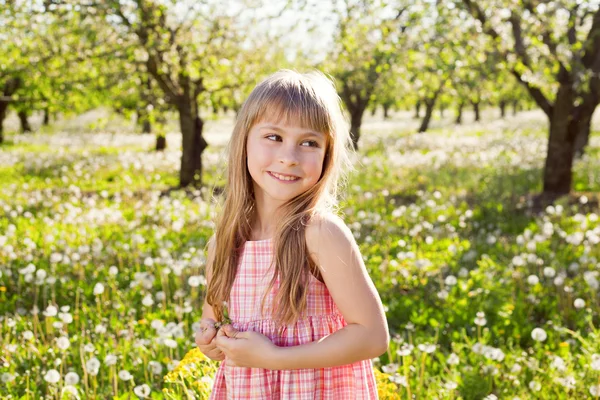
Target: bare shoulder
328,231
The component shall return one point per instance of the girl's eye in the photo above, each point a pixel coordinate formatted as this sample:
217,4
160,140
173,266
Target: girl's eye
273,137
311,143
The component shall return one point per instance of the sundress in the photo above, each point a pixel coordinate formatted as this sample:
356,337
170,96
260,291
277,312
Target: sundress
347,382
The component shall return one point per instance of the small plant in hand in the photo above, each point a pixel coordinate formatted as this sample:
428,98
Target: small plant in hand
226,320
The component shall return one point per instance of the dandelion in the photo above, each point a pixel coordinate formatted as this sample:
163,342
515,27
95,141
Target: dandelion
390,368
480,319
124,375
71,378
579,303
453,359
405,350
156,367
533,280
427,348
142,391
549,272
52,376
147,300
399,379
110,359
92,366
63,343
450,280
595,362
50,311
450,385
28,335
538,334
98,289
535,386
595,390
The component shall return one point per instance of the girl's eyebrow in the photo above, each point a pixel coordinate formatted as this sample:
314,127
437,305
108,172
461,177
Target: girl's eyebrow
306,133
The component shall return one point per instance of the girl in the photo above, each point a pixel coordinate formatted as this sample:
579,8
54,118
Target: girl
305,316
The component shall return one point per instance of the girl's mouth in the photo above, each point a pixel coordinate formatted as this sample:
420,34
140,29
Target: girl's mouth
283,178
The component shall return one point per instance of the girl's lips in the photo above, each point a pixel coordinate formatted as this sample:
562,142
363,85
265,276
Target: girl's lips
272,174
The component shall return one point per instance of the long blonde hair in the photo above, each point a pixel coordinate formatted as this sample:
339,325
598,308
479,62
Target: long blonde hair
310,101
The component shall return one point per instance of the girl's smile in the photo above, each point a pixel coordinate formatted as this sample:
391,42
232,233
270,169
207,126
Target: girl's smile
283,177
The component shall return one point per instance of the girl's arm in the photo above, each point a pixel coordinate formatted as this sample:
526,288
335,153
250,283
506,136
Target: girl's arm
335,251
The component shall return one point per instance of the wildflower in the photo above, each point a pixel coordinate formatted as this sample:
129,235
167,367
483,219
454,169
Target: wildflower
405,350
533,280
110,359
450,280
595,362
579,303
450,385
52,376
567,382
124,375
27,335
595,390
398,379
558,364
535,386
50,311
98,289
147,300
71,378
390,368
538,334
480,319
490,397
142,391
549,272
156,367
427,348
63,342
93,366
453,359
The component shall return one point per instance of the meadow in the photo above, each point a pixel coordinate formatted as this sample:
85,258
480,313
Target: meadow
102,268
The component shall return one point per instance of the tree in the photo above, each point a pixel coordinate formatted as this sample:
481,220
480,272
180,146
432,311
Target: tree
553,49
366,45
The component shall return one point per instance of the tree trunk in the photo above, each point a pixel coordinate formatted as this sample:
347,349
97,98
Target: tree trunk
3,108
476,110
442,109
25,127
583,132
429,104
386,111
161,143
515,106
355,123
46,120
418,109
373,111
561,143
502,108
459,113
193,144
143,119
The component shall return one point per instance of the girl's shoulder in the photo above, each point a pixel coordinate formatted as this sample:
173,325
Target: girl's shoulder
327,229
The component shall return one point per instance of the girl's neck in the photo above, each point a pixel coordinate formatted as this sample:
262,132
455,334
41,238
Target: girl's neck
264,223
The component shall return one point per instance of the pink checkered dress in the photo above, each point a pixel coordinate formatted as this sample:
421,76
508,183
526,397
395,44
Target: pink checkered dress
353,381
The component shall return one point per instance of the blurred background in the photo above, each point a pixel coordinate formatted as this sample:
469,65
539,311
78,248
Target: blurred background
474,199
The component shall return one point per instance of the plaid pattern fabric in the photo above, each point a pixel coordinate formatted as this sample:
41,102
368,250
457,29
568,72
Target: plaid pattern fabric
348,382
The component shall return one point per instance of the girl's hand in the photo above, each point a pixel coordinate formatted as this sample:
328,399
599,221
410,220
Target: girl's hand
205,339
246,349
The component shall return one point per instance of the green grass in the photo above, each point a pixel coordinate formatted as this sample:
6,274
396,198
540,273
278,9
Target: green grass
443,238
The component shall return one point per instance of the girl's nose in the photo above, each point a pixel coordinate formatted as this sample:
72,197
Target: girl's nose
288,156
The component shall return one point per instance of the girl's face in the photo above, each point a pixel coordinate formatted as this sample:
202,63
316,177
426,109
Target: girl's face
284,160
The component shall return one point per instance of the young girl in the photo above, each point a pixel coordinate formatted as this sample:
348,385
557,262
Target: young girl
306,319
